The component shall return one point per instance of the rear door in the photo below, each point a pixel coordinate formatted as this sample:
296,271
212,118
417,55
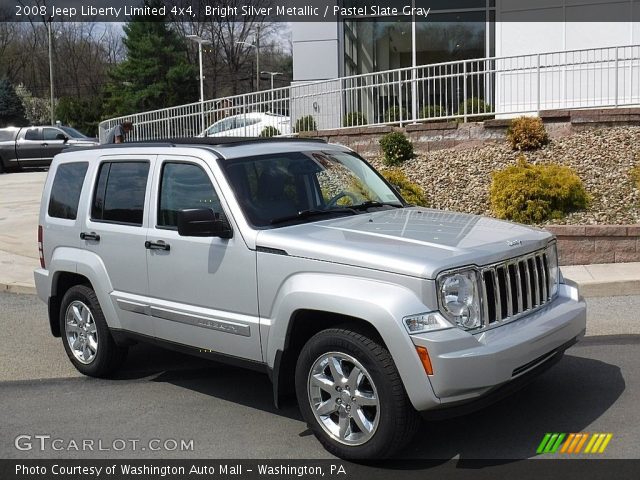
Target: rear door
29,147
115,230
202,290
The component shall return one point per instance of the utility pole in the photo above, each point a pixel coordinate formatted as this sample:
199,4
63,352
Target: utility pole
49,21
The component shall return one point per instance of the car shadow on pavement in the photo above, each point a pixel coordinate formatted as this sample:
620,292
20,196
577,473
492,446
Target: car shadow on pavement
567,398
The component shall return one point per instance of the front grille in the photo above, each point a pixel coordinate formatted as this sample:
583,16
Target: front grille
515,287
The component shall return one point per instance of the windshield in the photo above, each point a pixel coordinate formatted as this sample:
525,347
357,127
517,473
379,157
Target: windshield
73,133
306,186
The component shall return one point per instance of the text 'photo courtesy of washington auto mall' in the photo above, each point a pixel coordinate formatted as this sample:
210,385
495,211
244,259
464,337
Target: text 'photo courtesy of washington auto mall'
319,239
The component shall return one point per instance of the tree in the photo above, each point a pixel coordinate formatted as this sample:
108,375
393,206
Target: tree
37,110
80,113
11,109
155,74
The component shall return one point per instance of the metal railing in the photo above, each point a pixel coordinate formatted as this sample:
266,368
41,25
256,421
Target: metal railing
472,90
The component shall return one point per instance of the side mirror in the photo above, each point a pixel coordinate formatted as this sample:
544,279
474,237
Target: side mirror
62,136
203,222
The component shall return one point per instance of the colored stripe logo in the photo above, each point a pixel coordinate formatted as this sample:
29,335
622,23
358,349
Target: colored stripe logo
574,443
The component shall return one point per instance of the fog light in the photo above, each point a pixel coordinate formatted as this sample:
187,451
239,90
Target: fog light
425,322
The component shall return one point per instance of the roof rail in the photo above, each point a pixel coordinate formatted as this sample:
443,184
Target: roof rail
229,141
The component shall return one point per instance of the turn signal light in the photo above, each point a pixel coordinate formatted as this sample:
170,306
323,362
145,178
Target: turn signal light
424,358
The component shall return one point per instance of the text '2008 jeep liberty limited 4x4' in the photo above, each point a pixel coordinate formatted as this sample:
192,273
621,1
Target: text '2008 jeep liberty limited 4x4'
297,258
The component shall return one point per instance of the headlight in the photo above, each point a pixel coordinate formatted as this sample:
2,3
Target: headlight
459,299
554,270
425,322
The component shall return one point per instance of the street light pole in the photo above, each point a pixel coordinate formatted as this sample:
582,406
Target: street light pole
200,41
49,21
273,74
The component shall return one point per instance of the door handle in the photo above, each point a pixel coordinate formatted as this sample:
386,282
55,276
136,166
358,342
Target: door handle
44,144
90,236
159,245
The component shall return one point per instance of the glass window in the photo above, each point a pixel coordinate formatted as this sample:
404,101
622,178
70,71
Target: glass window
120,192
272,187
65,192
33,134
184,186
52,133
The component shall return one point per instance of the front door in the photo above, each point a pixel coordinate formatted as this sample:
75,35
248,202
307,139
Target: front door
202,290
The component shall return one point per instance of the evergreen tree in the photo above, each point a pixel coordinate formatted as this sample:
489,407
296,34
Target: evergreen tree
11,108
156,73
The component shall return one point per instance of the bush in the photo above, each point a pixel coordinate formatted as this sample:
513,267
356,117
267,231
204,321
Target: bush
529,193
432,111
527,133
635,175
475,106
354,119
269,131
394,114
410,191
396,148
305,124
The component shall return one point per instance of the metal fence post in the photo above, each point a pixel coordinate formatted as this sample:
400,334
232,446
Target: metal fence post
538,86
616,74
464,91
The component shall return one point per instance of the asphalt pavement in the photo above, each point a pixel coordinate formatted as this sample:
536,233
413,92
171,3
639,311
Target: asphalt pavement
226,412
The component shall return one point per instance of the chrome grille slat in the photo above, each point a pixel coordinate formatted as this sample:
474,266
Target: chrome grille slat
498,300
515,287
509,293
527,276
535,291
516,268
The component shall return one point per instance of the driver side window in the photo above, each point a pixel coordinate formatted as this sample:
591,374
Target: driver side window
183,186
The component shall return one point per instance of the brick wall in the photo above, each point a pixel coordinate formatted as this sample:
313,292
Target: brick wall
583,245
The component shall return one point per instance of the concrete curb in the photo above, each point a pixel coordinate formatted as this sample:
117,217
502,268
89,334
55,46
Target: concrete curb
17,288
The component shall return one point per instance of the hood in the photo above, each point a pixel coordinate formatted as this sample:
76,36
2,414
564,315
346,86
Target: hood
82,141
411,241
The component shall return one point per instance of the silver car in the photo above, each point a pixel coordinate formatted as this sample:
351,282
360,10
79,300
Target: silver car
296,258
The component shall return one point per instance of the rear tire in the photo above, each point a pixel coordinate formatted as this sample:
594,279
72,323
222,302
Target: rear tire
85,334
351,395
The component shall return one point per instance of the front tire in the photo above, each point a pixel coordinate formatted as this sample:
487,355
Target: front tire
85,334
351,395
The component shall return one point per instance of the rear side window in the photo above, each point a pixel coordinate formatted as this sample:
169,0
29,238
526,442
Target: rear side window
33,134
65,192
120,192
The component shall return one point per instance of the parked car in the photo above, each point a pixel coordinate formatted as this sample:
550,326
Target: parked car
297,259
36,146
249,125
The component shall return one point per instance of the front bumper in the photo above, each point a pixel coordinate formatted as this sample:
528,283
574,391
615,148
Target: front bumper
467,366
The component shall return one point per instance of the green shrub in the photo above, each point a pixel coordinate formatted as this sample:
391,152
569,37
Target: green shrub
475,106
410,191
396,148
529,193
354,119
305,124
635,175
527,133
269,131
395,114
432,111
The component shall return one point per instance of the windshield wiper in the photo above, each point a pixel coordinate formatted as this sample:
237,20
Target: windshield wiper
312,213
373,204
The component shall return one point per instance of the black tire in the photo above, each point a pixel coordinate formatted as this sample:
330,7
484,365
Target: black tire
397,420
108,356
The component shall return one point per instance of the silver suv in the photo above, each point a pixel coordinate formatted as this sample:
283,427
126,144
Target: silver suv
298,259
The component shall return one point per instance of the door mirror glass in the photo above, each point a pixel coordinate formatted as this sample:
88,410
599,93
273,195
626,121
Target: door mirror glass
203,222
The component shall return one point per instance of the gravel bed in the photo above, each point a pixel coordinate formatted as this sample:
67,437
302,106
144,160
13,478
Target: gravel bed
458,179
